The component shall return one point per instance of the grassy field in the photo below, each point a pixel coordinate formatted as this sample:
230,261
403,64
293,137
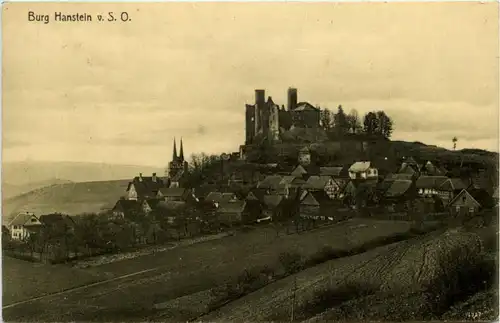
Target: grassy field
183,271
68,198
402,266
23,280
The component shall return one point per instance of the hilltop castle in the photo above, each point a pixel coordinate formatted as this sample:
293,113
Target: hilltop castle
265,119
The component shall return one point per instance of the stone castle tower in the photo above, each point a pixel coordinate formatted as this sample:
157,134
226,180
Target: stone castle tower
262,118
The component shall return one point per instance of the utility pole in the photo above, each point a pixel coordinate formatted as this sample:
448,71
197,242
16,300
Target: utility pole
294,290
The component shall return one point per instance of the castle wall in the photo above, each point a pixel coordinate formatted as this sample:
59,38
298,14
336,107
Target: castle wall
249,124
274,124
259,107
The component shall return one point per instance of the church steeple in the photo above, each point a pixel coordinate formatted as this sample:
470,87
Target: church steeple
174,157
181,153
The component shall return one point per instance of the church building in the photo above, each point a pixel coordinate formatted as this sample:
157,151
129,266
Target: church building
177,167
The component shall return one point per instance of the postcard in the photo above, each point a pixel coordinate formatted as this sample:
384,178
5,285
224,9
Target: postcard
250,161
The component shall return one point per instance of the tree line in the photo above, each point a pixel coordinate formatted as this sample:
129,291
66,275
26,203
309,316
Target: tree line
372,123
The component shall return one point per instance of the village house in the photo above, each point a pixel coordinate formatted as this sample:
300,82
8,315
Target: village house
58,222
362,170
430,169
143,187
24,225
361,193
427,186
324,183
169,210
399,194
149,205
272,207
409,166
179,194
317,205
464,204
219,197
232,212
449,188
126,209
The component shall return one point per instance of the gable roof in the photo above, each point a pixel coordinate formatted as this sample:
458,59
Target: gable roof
232,207
398,188
152,202
432,169
430,181
399,176
203,190
272,201
219,197
408,169
359,167
145,185
256,194
270,181
331,171
462,193
173,191
24,219
317,182
308,199
288,179
305,106
170,205
452,184
299,170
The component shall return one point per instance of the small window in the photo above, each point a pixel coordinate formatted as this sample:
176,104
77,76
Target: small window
457,208
471,210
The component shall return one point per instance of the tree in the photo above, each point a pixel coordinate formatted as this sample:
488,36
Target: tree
340,121
454,140
385,124
326,119
370,123
353,122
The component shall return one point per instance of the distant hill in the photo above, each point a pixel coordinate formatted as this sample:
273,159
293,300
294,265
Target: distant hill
11,190
68,198
29,172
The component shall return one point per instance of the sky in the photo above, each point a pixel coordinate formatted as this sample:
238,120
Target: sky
119,92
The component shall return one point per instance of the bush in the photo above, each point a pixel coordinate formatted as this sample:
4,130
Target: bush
291,262
326,253
469,274
330,297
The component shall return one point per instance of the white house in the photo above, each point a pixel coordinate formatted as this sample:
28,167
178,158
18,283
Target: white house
23,225
362,170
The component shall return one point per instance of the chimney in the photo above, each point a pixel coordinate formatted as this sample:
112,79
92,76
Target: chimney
140,177
292,99
153,178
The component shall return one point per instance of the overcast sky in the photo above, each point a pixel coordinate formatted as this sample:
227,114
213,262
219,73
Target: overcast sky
120,92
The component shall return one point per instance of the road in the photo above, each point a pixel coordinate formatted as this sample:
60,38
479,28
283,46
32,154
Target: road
140,283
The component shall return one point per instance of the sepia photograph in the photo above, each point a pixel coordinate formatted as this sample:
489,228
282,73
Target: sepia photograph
250,161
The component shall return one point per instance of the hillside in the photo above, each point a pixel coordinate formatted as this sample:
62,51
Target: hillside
10,190
69,198
29,172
